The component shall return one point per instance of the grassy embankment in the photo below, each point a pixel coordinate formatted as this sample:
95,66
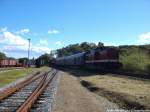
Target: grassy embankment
10,76
127,93
135,59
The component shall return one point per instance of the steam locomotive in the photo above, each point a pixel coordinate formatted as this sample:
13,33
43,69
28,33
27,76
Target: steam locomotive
99,58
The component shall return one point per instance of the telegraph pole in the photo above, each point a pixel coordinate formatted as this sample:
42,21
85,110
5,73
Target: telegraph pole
29,53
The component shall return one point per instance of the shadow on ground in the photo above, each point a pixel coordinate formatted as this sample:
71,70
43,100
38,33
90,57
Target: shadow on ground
78,72
124,101
82,72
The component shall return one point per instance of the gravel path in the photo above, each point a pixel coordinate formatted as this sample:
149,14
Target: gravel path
72,97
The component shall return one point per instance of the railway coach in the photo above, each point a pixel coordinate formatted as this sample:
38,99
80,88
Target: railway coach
73,60
99,58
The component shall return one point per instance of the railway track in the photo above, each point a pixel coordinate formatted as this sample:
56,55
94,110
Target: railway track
33,94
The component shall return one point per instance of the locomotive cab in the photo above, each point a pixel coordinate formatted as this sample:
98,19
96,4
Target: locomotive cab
102,58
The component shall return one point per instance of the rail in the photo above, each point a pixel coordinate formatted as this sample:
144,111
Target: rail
11,89
25,107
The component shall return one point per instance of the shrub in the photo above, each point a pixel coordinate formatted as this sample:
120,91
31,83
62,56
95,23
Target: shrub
135,59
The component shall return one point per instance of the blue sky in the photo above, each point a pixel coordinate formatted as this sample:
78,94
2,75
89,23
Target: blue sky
53,24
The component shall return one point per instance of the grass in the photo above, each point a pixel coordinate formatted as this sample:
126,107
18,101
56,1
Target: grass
127,93
135,59
10,76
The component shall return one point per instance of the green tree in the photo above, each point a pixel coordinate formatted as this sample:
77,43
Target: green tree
23,60
85,46
2,55
45,58
100,44
75,48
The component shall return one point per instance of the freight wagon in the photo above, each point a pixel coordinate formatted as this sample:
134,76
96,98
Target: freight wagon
8,62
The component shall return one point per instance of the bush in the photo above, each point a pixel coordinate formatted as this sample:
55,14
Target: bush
135,59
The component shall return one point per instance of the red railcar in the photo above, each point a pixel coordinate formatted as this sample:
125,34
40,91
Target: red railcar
12,63
4,63
8,62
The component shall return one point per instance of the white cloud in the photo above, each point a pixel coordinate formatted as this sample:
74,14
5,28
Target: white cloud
41,49
58,43
10,38
53,31
43,42
144,38
23,31
16,44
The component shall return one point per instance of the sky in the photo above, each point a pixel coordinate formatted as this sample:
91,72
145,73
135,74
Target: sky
53,24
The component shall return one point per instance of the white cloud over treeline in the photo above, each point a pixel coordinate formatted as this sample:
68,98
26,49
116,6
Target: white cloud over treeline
16,43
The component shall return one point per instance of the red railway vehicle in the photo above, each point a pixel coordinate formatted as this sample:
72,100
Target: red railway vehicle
99,58
103,57
4,63
8,62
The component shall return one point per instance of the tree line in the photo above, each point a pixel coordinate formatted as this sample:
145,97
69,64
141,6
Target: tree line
77,48
2,55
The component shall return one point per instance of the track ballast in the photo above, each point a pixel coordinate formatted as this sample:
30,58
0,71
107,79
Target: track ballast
36,95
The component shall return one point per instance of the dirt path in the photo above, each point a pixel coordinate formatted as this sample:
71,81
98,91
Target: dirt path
72,97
